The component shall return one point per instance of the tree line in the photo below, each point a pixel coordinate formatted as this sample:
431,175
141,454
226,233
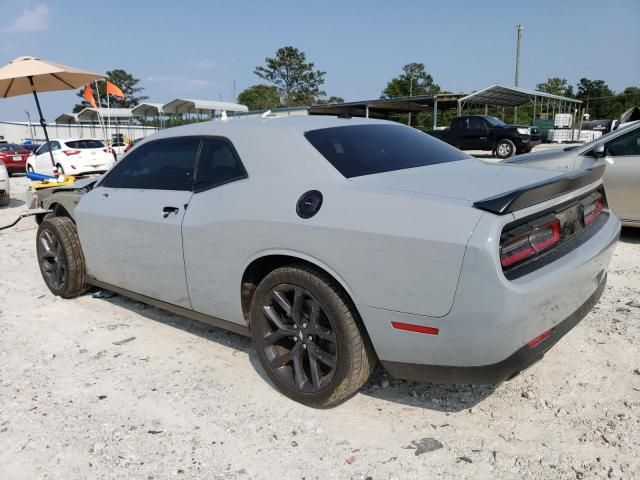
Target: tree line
292,80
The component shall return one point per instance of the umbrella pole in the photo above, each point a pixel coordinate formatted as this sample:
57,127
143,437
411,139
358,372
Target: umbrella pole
42,122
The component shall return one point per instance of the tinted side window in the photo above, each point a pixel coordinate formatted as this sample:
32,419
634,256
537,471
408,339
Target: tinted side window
166,164
55,146
458,123
367,149
43,149
218,164
476,122
627,144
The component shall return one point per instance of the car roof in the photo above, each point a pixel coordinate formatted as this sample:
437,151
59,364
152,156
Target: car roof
302,123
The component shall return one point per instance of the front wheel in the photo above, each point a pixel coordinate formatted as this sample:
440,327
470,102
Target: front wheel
505,148
308,336
29,169
59,169
60,257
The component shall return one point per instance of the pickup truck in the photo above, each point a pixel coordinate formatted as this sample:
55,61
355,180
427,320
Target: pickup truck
484,132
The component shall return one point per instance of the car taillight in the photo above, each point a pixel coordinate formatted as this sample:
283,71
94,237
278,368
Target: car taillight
524,242
68,153
592,209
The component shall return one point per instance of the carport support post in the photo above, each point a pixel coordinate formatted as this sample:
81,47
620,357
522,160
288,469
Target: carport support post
366,111
435,113
42,122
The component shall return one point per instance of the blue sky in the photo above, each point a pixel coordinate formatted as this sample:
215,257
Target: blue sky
196,49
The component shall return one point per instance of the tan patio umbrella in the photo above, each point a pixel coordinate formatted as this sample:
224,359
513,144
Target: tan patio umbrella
24,75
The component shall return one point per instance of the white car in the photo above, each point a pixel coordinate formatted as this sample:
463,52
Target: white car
4,185
72,157
119,148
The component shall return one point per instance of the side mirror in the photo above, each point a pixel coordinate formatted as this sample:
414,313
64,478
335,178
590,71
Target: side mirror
599,150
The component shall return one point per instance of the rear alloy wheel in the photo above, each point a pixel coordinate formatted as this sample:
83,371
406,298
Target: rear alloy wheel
505,149
307,337
60,257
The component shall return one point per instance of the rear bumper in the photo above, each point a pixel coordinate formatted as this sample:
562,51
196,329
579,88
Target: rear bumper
16,167
493,318
497,372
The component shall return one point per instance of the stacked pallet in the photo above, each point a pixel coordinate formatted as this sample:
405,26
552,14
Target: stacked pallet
561,131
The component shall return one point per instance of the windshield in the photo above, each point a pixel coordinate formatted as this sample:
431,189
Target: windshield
367,149
5,147
82,144
495,122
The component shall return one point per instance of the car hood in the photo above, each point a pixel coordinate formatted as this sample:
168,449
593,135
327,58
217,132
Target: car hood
470,179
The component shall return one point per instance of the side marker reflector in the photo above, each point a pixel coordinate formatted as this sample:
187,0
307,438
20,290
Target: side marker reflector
540,338
410,327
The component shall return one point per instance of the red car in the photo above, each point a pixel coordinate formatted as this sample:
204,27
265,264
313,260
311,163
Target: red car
14,157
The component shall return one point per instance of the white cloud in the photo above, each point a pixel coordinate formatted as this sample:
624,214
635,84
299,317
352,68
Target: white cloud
33,20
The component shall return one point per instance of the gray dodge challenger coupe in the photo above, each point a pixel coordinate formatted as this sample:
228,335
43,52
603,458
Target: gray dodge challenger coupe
339,242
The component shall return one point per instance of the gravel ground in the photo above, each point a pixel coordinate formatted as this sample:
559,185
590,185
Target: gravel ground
182,400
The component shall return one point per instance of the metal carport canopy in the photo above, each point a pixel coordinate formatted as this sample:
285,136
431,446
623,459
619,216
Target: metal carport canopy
381,107
67,118
94,114
186,105
147,109
511,96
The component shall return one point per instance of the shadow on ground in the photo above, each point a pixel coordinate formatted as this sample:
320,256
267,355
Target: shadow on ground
630,235
444,398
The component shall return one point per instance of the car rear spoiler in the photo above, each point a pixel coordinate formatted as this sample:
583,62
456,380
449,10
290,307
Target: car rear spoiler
539,192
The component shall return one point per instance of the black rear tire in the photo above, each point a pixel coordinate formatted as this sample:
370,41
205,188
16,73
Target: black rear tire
309,337
60,257
505,148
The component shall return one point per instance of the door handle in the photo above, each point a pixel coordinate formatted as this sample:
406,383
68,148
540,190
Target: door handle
166,211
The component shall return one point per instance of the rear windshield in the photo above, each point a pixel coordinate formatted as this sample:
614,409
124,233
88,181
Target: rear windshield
5,147
367,149
84,144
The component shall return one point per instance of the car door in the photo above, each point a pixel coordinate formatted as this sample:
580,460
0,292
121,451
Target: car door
42,162
622,176
475,131
130,225
212,232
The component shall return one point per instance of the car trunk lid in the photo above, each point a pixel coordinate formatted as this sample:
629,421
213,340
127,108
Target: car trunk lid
470,179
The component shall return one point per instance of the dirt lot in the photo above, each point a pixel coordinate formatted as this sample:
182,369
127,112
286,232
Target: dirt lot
183,400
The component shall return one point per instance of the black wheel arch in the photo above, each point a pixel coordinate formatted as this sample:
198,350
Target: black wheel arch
262,266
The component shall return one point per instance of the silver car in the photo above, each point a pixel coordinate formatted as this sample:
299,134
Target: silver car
620,150
338,242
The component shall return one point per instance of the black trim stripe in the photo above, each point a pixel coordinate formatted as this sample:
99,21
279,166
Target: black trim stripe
539,192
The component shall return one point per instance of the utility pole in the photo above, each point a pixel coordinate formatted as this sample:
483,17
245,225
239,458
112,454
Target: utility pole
519,28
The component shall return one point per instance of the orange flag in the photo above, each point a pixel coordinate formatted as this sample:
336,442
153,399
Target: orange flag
88,95
114,90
